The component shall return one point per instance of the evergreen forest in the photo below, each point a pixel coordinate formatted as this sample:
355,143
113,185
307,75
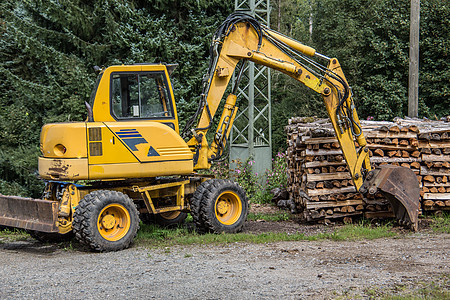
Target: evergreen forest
48,49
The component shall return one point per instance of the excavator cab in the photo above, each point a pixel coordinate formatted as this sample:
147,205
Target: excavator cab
132,130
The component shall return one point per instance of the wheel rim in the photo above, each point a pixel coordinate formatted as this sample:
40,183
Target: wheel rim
170,215
228,208
113,222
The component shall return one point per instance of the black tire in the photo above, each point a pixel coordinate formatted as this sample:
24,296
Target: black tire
170,219
195,204
147,218
106,221
224,207
47,237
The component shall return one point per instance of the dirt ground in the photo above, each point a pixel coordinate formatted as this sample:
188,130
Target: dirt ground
284,270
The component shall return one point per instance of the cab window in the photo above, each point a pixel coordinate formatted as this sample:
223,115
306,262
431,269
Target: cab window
140,95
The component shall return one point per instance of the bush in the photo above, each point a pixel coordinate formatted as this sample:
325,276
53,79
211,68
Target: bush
257,187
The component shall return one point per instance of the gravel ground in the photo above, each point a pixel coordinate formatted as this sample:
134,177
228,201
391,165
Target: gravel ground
284,270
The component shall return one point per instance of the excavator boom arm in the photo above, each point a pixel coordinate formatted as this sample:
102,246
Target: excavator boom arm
242,38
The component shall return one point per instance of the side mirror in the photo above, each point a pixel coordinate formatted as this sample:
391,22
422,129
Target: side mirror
90,117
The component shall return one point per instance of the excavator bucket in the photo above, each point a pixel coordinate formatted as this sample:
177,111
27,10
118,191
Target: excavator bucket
400,186
28,213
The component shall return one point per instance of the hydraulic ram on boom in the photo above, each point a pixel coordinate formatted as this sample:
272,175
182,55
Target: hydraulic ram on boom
242,38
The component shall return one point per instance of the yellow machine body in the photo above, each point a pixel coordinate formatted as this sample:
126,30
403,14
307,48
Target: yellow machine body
136,139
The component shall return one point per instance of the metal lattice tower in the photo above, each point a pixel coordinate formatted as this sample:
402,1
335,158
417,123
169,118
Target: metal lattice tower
251,135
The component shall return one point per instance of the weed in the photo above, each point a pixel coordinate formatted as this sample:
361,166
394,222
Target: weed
154,236
273,217
187,255
441,223
14,234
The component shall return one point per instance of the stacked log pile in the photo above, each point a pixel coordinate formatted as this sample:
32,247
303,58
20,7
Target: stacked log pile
321,185
435,170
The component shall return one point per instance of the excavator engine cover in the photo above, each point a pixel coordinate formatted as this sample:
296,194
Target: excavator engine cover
400,186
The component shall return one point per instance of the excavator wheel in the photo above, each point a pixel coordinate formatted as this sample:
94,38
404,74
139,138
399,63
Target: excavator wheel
51,237
195,204
106,220
224,207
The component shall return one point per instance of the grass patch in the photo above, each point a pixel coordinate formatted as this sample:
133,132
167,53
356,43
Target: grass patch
13,234
364,231
269,217
153,235
436,289
441,224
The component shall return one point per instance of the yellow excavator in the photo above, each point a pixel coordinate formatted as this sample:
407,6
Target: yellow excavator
128,160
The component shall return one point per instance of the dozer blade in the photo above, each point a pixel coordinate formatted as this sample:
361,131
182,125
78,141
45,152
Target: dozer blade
27,213
400,186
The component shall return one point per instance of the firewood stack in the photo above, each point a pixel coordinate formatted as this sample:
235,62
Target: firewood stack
321,185
434,146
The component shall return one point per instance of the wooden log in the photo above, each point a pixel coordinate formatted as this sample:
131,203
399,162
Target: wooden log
376,134
433,158
405,154
414,142
435,171
315,164
322,152
394,129
319,185
404,143
327,184
341,169
336,183
428,203
436,151
441,189
329,204
378,214
328,176
436,196
415,153
335,145
415,165
378,152
439,203
429,178
425,151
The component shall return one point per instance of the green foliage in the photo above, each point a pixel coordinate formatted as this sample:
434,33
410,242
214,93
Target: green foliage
277,177
441,223
272,217
48,49
257,186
